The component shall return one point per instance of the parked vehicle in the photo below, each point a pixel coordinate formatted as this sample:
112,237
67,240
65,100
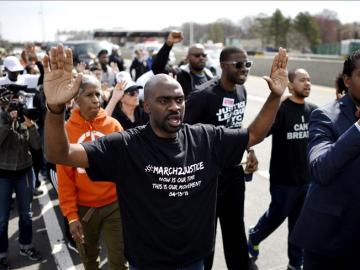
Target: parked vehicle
348,46
86,51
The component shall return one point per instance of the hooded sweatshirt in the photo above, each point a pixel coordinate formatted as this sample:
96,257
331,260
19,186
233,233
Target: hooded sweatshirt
75,187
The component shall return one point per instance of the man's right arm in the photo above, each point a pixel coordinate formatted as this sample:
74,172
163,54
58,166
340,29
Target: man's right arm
60,89
161,59
58,150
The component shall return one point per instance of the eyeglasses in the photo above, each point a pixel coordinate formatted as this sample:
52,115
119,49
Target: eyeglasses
197,55
132,93
240,65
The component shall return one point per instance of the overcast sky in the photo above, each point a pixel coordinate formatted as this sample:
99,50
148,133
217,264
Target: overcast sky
39,20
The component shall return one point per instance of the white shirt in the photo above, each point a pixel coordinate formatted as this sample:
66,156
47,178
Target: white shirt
29,80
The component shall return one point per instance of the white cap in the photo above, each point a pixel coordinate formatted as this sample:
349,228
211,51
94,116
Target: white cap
13,64
130,84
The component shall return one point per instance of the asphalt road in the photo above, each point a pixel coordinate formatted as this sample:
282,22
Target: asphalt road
47,221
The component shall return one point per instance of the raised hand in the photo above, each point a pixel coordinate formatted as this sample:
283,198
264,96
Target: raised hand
118,91
114,67
278,79
174,37
24,58
59,87
81,67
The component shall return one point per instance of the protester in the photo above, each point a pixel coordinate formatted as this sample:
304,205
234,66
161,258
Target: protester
221,102
138,65
16,174
166,171
115,57
108,75
161,60
327,227
190,75
150,58
14,70
124,103
194,73
289,176
91,208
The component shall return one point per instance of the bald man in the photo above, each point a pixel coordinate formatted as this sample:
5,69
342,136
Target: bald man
165,172
191,75
194,73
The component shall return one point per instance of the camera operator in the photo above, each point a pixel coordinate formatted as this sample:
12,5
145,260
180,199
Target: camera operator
14,76
16,174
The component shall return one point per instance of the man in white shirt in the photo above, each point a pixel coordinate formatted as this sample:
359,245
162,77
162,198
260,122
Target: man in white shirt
14,70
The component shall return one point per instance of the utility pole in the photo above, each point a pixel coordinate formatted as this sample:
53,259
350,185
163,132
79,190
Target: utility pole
42,22
191,33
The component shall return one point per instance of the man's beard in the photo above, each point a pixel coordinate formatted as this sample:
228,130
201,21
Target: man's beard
104,67
197,68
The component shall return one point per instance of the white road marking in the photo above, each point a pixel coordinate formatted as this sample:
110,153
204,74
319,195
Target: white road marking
60,252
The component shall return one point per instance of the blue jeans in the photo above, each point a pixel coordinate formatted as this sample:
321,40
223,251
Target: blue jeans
23,187
286,202
195,266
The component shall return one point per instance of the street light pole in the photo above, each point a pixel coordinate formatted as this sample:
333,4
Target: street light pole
42,21
191,32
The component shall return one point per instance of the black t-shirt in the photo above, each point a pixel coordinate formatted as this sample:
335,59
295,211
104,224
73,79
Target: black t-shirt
166,189
141,118
288,164
211,104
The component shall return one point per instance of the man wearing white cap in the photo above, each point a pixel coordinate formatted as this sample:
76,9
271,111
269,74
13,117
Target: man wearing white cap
124,102
14,70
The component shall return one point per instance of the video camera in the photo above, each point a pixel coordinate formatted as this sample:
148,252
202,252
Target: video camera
18,98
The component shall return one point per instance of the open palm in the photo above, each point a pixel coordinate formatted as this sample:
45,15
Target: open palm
59,87
278,79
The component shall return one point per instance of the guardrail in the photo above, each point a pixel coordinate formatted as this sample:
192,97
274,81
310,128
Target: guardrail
322,71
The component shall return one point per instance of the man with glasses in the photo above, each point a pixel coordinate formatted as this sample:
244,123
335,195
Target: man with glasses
194,73
221,102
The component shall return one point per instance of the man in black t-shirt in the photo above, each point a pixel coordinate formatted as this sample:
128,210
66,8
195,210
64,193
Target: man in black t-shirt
165,172
221,102
288,167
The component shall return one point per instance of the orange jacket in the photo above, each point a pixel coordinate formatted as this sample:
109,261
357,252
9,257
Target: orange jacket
74,186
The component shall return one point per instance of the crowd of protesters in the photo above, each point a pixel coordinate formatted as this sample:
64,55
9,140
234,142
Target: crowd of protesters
116,164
